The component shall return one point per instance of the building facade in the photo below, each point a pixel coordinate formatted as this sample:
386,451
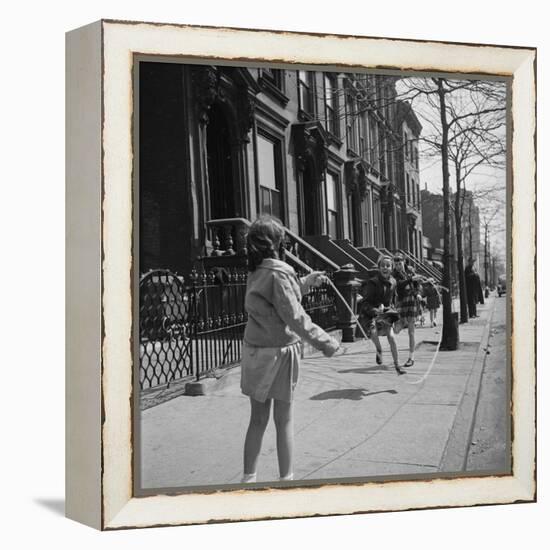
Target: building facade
330,154
410,209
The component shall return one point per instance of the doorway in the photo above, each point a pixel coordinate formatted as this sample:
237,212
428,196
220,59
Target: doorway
311,224
220,165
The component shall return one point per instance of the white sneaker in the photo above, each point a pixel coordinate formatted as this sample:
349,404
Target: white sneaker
248,478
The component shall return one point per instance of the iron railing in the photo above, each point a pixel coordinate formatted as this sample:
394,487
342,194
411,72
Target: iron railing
190,326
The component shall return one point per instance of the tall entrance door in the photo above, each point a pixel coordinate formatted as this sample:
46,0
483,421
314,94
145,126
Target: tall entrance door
220,165
356,225
310,199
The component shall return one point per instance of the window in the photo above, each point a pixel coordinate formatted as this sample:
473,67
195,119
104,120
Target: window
363,133
269,176
275,77
332,205
331,105
373,128
366,216
377,225
305,92
382,141
408,198
351,126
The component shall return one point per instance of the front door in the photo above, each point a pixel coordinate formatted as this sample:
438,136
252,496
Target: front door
311,211
220,166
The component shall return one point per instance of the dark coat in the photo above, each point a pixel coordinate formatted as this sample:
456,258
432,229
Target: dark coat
433,300
377,292
405,286
473,285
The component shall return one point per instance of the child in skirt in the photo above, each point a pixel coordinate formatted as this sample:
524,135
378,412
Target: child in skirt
433,300
407,301
275,327
376,313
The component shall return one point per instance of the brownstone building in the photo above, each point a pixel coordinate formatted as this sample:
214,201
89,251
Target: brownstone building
333,155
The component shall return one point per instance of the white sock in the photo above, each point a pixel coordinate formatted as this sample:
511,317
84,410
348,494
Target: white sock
249,478
288,477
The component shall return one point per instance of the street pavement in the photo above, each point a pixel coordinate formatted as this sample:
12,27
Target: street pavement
352,418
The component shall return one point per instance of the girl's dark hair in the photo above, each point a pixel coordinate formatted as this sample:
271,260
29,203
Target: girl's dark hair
265,239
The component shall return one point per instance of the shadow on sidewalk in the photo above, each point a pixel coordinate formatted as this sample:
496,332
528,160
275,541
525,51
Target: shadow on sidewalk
354,394
366,370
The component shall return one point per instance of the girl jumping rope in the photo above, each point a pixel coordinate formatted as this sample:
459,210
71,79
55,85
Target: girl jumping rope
271,350
407,300
376,313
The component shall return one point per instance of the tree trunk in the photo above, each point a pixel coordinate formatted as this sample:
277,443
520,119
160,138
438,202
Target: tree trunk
470,228
486,255
459,251
449,340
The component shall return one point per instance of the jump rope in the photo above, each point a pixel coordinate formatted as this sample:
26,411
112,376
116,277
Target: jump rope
407,381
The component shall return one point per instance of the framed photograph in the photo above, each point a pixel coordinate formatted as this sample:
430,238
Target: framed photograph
300,274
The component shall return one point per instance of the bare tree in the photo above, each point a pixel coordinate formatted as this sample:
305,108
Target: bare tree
464,121
476,140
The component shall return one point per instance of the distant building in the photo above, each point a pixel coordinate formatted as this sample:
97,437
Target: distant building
432,224
471,237
409,211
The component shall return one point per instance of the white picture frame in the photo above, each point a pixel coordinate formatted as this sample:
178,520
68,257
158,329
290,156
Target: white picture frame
99,273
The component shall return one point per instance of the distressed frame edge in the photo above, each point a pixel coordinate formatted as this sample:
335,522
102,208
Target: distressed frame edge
522,484
83,324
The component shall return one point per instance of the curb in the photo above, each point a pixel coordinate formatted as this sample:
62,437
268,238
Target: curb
455,454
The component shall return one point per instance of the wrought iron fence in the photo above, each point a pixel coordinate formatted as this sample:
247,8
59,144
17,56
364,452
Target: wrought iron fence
165,348
192,325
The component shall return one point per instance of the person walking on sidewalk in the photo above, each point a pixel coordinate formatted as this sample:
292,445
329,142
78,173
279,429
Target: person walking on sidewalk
407,290
473,287
433,299
376,312
272,342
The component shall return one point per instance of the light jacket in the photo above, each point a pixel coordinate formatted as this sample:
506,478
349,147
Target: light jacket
276,317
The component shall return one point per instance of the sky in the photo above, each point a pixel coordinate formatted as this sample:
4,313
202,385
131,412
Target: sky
483,180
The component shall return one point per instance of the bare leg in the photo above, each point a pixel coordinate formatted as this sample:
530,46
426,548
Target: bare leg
259,417
376,340
282,414
393,347
411,340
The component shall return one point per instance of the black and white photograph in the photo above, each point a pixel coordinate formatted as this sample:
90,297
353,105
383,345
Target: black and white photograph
275,275
322,263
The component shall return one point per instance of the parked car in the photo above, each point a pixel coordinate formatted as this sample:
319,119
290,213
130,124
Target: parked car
501,285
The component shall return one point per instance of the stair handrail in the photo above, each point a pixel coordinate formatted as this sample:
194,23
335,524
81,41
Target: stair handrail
294,259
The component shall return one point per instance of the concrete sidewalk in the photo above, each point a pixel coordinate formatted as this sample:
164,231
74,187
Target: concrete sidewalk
353,418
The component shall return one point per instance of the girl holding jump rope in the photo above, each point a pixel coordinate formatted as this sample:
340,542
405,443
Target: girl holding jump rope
376,313
276,325
407,290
